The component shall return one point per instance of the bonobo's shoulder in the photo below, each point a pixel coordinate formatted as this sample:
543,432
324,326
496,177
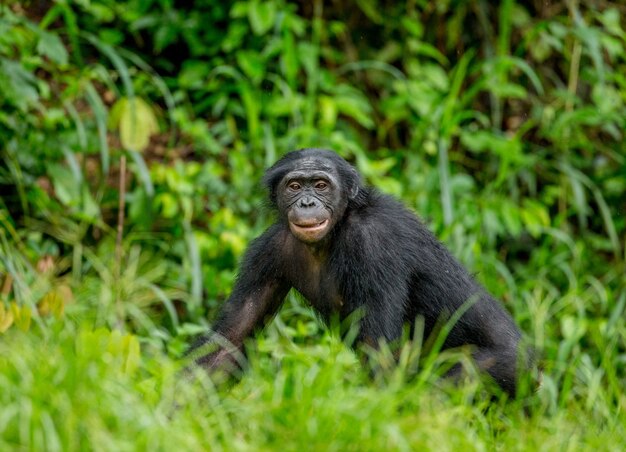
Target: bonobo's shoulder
383,208
273,236
378,199
389,221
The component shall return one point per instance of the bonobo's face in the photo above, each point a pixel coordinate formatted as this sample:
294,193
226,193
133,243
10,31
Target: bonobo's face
311,197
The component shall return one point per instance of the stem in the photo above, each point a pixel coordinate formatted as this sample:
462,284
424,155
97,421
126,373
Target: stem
120,215
574,68
121,206
444,182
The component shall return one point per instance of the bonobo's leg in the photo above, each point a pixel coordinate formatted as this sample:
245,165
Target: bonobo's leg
502,364
375,326
380,322
496,340
380,303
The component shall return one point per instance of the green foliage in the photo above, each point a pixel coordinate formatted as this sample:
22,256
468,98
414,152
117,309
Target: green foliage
500,123
90,389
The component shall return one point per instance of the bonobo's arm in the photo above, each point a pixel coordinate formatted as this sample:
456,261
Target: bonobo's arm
258,293
484,324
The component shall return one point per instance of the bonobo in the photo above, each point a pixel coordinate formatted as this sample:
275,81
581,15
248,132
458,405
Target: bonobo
346,247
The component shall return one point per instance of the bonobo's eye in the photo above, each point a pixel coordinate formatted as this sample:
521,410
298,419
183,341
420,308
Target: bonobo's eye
321,185
294,186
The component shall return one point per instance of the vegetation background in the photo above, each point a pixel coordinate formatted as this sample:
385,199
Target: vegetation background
133,135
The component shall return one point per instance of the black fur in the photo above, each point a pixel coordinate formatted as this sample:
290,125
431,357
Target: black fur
377,257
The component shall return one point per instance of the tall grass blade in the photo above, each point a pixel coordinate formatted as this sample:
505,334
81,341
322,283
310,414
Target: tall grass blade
101,116
196,266
118,62
80,125
144,172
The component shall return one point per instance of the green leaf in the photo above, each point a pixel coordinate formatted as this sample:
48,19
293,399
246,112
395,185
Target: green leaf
284,106
351,102
251,104
510,90
511,217
289,59
89,207
328,111
251,63
535,217
66,188
371,10
607,98
143,172
239,9
17,83
261,16
51,46
167,204
100,115
136,121
193,74
389,185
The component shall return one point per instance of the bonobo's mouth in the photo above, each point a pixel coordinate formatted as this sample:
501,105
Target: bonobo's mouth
309,227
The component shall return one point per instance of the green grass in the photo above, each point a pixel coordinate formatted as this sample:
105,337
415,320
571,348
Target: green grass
69,386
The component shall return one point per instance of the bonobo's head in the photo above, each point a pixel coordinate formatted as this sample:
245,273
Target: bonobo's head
312,188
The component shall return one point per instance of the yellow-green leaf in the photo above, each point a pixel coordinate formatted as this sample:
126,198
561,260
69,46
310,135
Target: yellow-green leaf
6,318
137,122
55,300
21,315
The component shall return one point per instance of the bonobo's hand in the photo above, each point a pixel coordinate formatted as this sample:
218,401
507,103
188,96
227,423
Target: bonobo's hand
215,356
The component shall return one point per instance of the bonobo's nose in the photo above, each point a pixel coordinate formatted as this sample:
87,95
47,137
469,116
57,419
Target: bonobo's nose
307,201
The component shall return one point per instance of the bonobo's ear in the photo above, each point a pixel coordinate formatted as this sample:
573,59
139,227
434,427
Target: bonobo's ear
354,184
355,189
271,178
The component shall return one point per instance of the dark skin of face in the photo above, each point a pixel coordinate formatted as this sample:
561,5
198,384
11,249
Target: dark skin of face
311,199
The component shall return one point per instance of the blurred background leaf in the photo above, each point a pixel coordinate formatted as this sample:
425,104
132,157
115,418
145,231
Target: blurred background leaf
500,123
